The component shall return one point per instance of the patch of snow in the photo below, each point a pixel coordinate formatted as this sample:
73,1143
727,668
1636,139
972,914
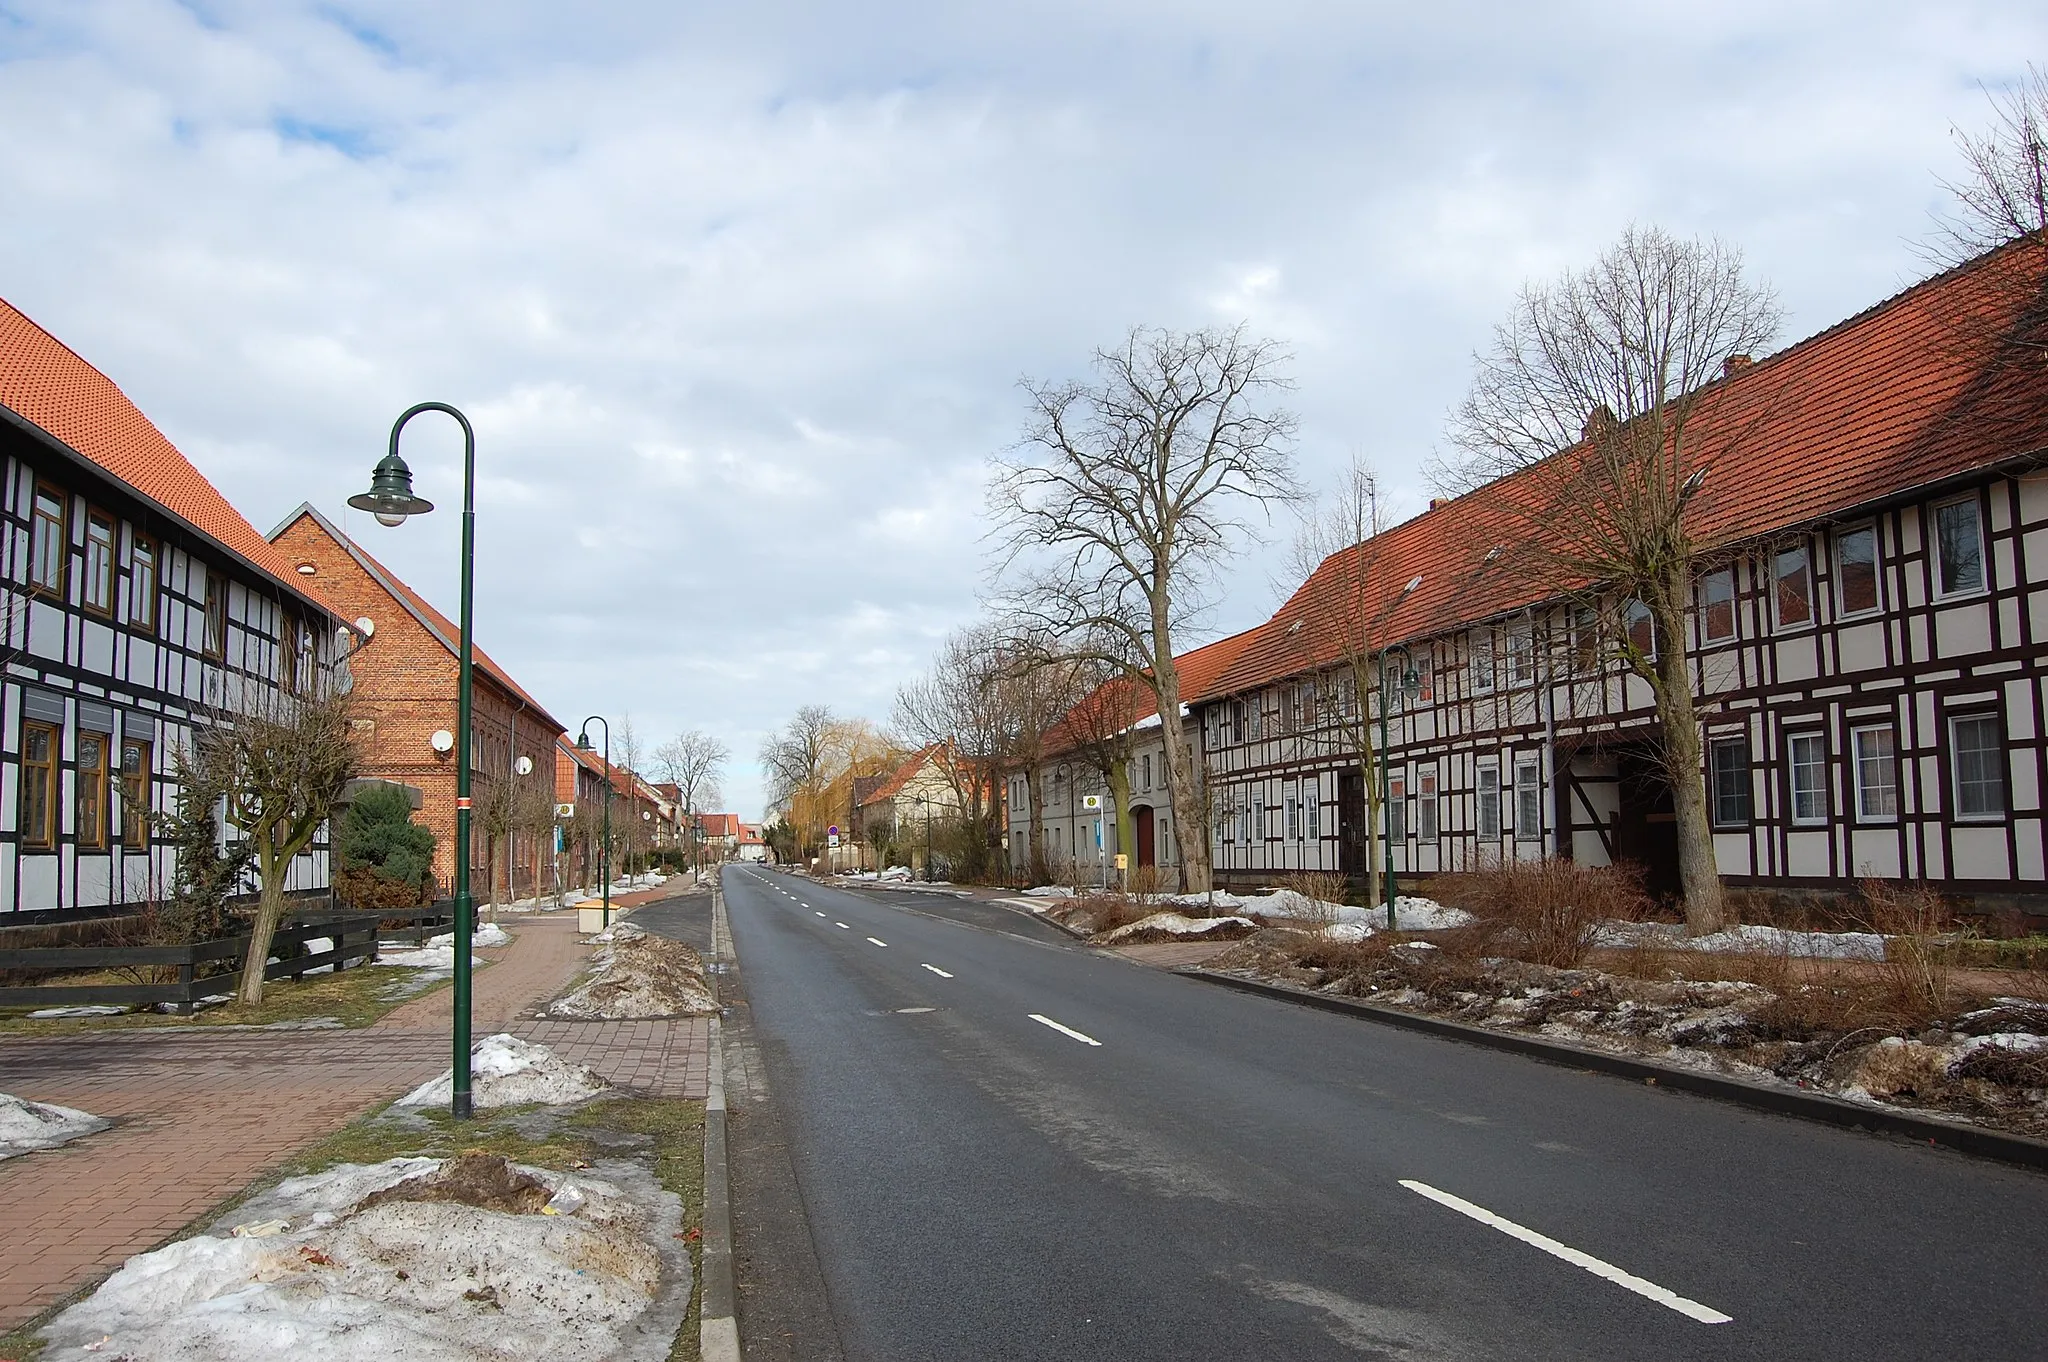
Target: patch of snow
639,975
1174,924
27,1126
1048,891
312,1273
506,1071
484,934
84,1010
2018,1042
1414,915
435,959
1749,940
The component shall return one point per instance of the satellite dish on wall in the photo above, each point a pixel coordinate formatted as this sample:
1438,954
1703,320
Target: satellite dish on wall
443,741
524,766
366,626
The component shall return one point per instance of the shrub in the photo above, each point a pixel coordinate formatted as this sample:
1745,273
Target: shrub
1317,892
384,859
1917,952
1546,912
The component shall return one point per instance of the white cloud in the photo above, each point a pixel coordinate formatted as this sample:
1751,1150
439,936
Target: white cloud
737,296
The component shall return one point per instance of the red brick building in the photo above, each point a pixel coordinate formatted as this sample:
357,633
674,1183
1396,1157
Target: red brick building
405,681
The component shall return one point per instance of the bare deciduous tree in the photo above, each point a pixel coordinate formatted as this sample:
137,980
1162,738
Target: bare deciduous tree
1339,538
694,762
283,762
1126,495
1594,389
962,710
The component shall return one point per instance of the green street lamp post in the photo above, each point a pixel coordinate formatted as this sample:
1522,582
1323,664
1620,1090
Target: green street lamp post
1406,686
605,855
391,500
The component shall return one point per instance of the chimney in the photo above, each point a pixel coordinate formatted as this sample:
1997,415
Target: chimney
1435,502
1598,421
1734,365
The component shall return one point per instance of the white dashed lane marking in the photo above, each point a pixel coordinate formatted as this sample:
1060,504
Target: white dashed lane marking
1065,1030
842,926
936,970
1705,1314
877,941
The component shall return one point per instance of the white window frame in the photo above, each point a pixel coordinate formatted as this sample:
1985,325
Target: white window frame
1293,816
1426,806
1521,657
1874,751
1486,802
1528,798
1806,740
1480,666
1805,551
1842,609
1721,743
1258,828
1635,612
1708,600
1397,805
1312,808
1943,591
1999,758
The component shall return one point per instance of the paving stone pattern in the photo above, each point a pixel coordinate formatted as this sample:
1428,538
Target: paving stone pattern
202,1112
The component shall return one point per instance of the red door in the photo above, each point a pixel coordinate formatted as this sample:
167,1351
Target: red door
1141,826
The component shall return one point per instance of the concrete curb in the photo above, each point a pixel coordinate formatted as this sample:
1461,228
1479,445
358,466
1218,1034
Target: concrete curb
1811,1106
1026,910
719,1329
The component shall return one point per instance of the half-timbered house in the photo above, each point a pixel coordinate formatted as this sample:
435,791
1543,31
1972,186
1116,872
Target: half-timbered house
1866,642
137,602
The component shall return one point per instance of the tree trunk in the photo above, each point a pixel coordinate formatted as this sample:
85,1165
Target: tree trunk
1182,785
1699,876
1038,871
269,912
1118,777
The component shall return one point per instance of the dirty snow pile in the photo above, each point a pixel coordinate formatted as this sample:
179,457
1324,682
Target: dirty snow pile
1049,891
1175,927
473,1260
434,960
505,1071
26,1126
483,935
637,975
1750,940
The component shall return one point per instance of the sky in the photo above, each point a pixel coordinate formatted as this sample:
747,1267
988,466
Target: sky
738,297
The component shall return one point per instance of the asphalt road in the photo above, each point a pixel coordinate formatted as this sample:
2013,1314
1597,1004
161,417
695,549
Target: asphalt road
1010,1148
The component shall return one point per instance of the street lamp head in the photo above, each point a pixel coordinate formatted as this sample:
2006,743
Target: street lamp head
390,497
583,741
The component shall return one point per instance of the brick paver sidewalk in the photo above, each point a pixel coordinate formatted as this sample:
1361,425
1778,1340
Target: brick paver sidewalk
202,1112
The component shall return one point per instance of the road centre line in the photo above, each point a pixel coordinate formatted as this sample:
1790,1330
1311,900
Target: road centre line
1065,1030
816,911
936,970
842,927
1647,1289
878,941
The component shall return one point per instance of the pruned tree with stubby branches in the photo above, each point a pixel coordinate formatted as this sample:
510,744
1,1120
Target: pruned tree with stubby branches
1125,499
282,761
1593,395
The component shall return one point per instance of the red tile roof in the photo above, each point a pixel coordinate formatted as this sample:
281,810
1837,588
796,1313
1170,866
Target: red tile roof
439,625
48,386
902,775
1887,401
1124,702
719,824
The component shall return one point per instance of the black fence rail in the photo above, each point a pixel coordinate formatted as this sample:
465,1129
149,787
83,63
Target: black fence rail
205,968
416,924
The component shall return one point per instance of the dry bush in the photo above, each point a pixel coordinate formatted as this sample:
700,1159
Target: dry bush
1107,912
1068,874
1143,881
1917,954
1545,912
1319,891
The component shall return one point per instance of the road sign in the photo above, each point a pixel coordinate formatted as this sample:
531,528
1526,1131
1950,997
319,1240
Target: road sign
832,838
565,810
832,831
1091,802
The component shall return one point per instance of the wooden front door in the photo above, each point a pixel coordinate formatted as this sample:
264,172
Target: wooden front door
1142,834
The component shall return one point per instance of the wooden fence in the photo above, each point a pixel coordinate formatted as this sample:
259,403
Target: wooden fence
205,968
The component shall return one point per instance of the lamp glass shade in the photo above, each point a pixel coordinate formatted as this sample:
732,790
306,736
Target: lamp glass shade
583,741
390,497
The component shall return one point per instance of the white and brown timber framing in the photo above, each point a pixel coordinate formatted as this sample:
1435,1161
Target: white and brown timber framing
110,656
1915,713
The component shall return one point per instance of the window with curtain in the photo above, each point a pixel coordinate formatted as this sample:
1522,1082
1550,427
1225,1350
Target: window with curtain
1978,753
1877,771
1807,767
